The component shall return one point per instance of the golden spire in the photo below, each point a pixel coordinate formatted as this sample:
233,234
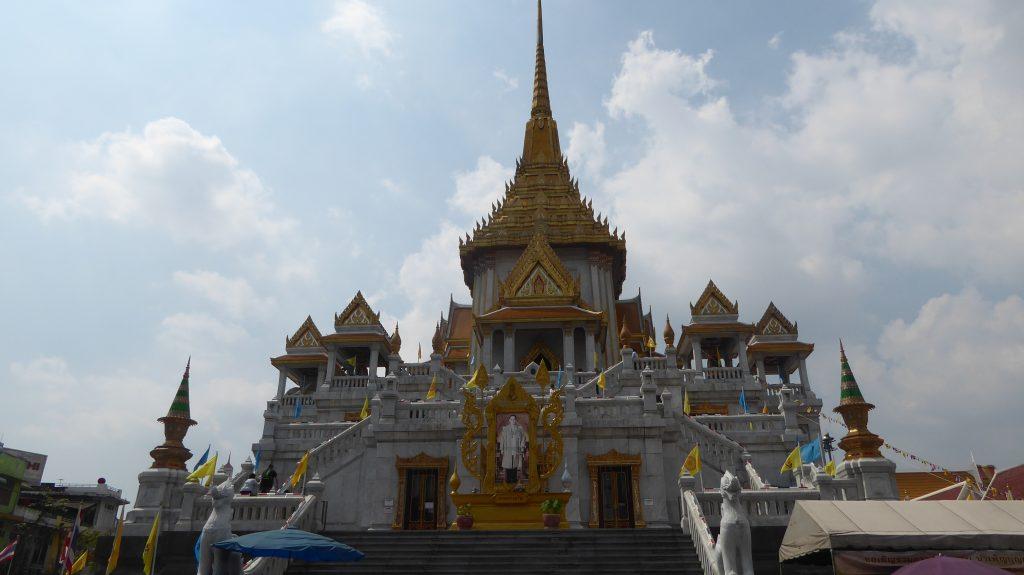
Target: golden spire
541,102
669,334
541,144
859,442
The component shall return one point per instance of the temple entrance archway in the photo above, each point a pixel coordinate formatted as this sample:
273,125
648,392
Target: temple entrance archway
422,503
615,490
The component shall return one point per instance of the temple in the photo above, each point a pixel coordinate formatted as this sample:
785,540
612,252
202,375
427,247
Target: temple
548,385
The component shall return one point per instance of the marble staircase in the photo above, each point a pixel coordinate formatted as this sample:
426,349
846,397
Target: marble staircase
590,551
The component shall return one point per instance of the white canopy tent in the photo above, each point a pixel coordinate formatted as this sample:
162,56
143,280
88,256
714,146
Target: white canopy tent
903,526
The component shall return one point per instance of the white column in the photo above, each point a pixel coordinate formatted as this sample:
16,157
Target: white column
741,351
372,368
804,381
510,350
696,353
589,360
282,380
568,347
332,363
762,373
486,351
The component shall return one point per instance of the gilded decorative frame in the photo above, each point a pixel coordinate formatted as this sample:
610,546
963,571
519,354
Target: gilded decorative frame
511,398
422,461
614,458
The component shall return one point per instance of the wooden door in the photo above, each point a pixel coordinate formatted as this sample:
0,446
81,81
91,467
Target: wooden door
615,491
421,499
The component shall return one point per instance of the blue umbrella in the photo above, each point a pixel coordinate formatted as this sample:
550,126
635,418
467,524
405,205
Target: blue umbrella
291,544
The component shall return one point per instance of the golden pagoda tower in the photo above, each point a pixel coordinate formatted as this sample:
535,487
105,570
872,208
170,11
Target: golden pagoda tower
874,475
173,454
859,442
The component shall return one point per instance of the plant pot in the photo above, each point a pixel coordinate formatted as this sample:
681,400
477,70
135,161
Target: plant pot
464,522
551,520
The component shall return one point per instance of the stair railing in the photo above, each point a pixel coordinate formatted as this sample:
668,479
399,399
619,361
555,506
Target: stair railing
696,526
277,565
589,389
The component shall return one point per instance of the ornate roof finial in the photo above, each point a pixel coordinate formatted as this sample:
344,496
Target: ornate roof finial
396,341
669,334
624,335
859,442
541,102
437,343
173,454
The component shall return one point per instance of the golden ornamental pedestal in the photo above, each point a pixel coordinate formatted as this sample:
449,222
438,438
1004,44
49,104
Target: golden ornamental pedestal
502,504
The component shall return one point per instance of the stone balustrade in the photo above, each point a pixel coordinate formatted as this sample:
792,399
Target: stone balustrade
440,413
722,373
422,368
302,517
330,452
248,514
653,363
351,382
696,526
765,508
717,450
611,375
749,423
306,431
609,411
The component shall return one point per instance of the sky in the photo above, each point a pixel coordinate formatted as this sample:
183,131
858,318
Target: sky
192,179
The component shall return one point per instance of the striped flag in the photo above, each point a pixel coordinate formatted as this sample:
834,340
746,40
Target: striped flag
67,554
8,552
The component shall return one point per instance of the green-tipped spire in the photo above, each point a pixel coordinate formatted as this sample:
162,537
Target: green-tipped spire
849,391
180,407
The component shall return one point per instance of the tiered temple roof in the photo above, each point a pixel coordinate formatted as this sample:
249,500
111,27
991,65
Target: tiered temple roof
543,196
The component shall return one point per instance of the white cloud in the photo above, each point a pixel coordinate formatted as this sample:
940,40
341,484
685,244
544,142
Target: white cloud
586,151
187,332
233,295
508,83
169,178
363,24
475,190
909,161
427,279
117,410
775,41
950,378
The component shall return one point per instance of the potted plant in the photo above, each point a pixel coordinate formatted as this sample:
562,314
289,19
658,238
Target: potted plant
464,517
551,510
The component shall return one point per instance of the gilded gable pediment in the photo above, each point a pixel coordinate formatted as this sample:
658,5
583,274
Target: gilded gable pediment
357,313
713,302
774,323
539,278
306,336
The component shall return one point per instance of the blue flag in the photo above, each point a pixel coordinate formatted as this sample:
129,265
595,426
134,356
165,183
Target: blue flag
298,407
811,452
743,401
196,550
256,460
202,459
558,382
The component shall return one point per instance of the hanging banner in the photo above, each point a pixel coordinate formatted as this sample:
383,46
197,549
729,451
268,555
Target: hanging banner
885,562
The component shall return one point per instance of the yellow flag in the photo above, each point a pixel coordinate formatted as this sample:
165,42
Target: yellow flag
80,562
479,379
432,392
792,461
543,377
764,409
351,361
149,554
692,462
300,470
830,468
601,381
115,550
650,343
205,470
686,401
366,409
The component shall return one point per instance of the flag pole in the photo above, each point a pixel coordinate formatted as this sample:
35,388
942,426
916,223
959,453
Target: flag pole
13,556
156,542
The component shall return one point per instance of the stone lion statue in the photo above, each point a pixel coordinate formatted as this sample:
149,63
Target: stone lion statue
213,561
732,550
